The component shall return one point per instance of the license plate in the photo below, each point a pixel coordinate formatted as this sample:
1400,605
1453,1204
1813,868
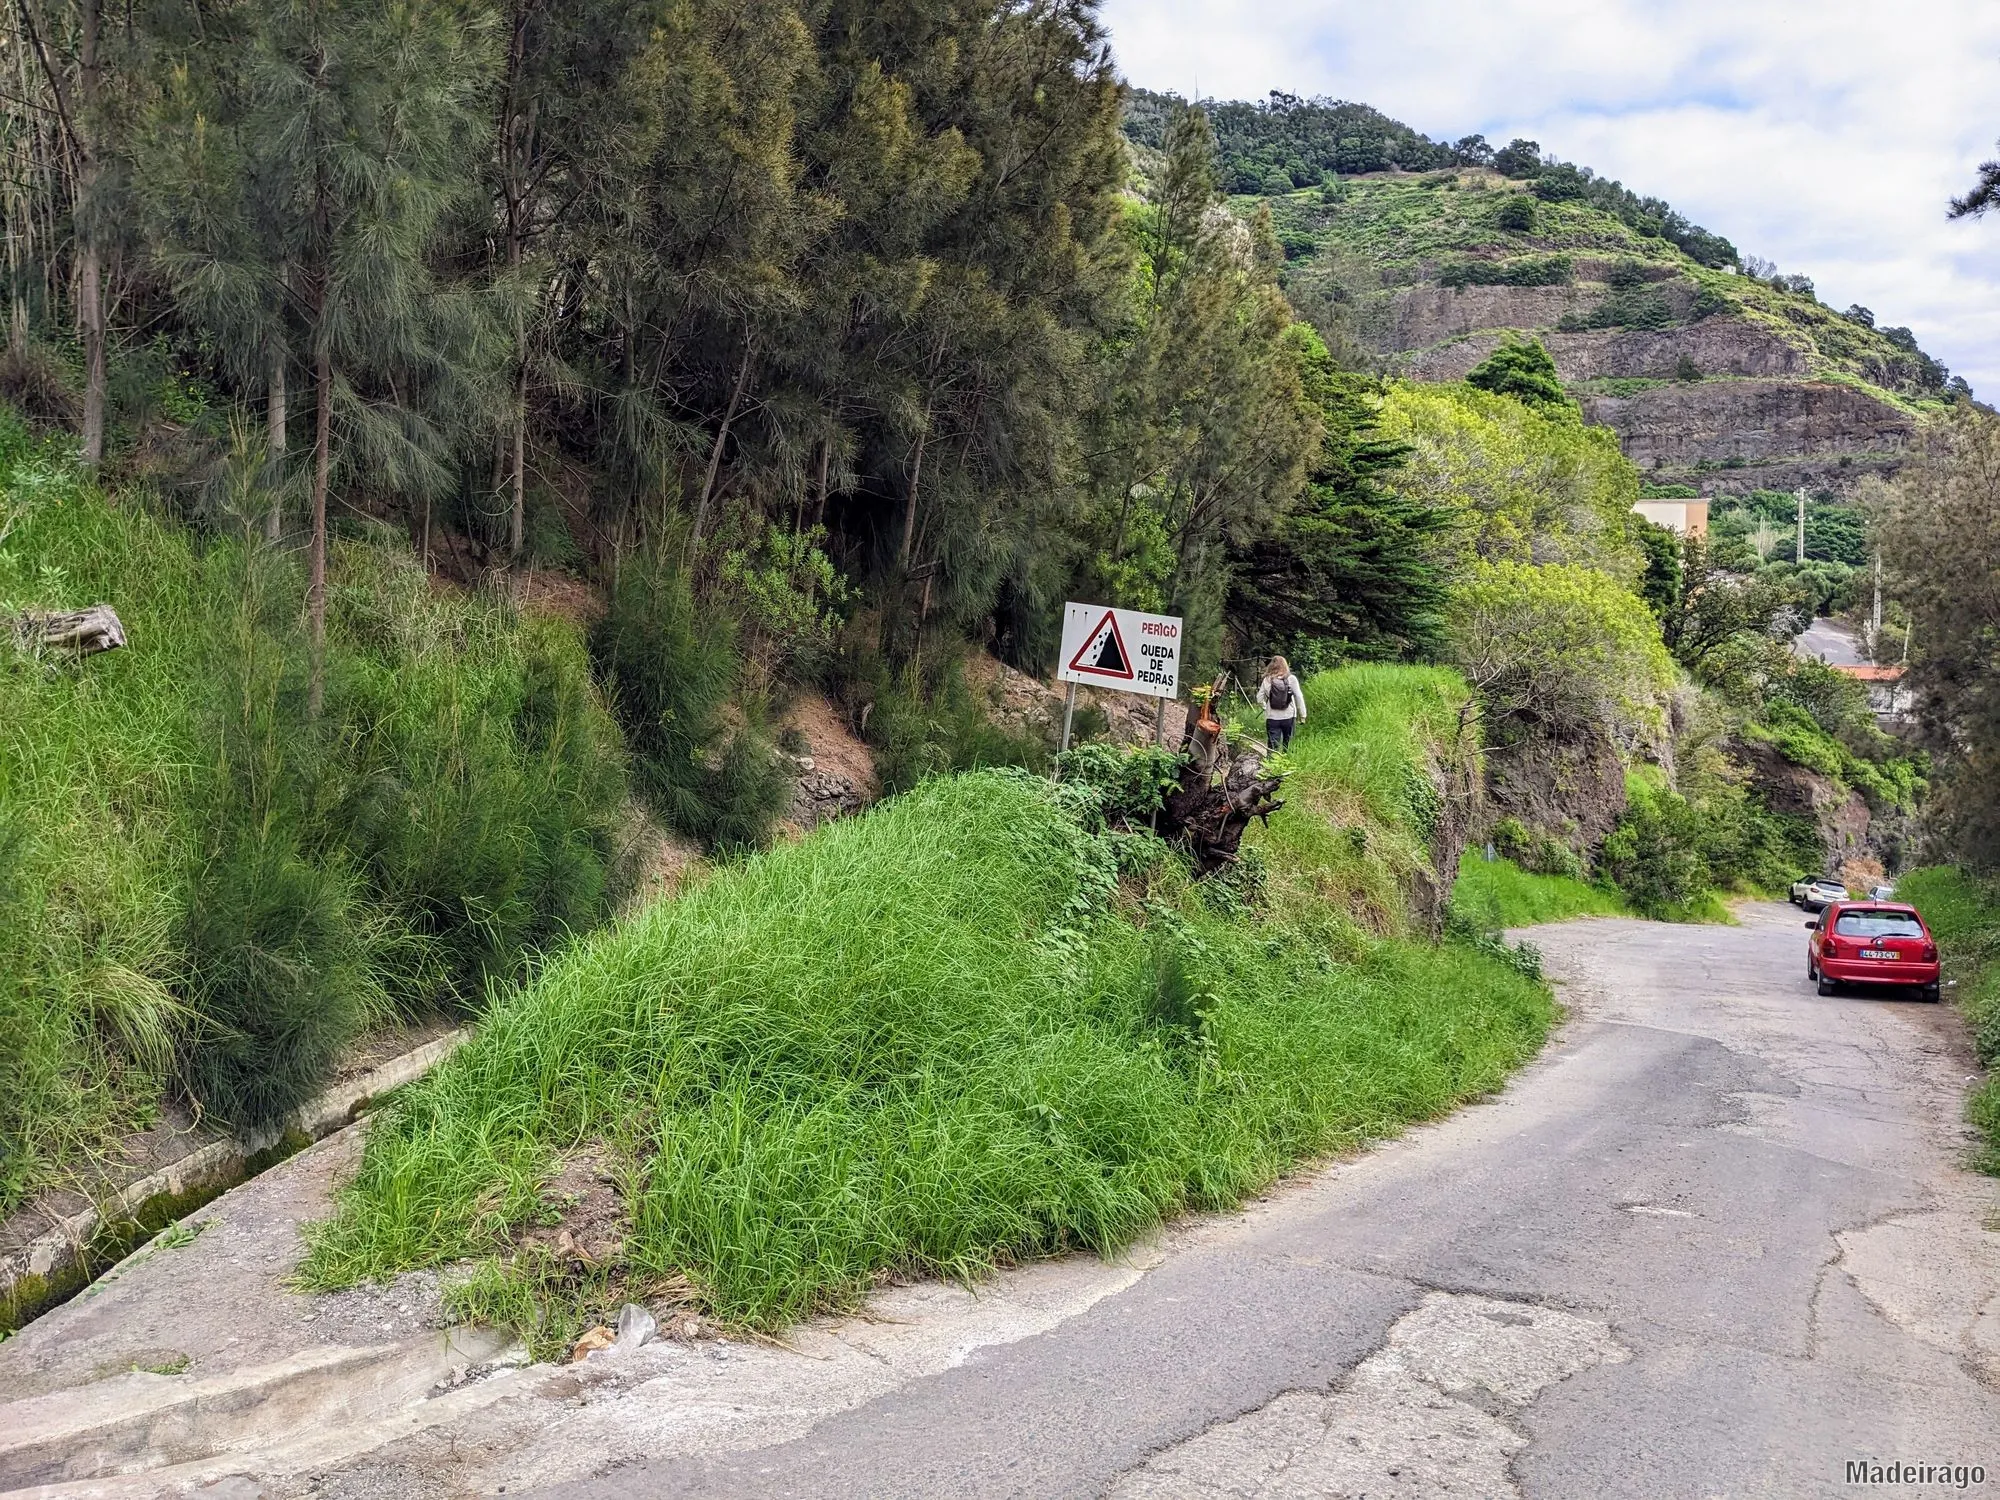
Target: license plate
1877,953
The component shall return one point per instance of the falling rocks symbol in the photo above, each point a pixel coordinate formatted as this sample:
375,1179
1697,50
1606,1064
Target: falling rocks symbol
1104,651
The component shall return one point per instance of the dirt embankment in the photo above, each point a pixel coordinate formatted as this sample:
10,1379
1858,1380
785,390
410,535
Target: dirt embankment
1569,790
1024,705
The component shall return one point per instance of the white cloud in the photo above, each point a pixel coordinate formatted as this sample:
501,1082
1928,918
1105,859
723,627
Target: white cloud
1825,136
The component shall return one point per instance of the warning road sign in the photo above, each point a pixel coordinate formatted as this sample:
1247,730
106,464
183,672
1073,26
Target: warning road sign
1121,648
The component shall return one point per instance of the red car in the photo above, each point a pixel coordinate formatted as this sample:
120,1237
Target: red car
1871,942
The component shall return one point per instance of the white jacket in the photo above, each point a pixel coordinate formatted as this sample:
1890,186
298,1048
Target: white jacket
1296,709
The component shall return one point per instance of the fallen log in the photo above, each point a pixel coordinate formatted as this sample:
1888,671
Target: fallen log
82,632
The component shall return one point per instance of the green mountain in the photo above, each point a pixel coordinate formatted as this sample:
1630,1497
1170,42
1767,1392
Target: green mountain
1420,257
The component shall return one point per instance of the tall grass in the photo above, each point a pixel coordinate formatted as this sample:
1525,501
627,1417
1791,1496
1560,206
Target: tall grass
1964,914
1363,802
1497,894
203,888
958,1029
670,665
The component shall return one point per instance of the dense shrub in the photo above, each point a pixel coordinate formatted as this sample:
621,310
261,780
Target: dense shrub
670,668
1654,855
280,972
1123,786
1534,852
1523,369
1641,305
1526,270
212,889
1672,849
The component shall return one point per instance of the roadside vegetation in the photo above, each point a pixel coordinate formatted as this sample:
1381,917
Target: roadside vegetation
593,497
1367,772
205,889
1963,911
974,1025
1497,894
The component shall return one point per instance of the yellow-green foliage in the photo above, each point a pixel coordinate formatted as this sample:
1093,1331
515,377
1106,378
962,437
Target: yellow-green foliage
1362,803
1534,485
1559,644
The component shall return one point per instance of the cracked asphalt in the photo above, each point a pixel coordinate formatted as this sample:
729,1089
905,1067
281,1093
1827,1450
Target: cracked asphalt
1717,1242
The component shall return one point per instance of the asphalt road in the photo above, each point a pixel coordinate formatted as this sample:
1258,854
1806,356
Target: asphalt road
1716,1243
1832,642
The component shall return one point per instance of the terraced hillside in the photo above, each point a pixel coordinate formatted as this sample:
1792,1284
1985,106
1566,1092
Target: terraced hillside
1710,376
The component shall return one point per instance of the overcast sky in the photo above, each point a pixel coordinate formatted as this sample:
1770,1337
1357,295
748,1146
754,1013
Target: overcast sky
1825,136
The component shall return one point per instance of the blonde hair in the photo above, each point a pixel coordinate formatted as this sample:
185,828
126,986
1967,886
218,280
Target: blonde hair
1278,667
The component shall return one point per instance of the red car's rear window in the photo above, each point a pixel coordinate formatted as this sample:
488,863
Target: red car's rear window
1878,924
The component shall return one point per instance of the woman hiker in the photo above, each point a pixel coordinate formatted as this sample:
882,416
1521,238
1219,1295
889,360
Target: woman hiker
1283,702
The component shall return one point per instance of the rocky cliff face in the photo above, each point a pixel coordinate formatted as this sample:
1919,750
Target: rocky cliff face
1846,827
1716,346
1751,427
1736,404
1571,791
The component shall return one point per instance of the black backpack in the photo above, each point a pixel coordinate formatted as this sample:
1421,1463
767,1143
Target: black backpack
1280,696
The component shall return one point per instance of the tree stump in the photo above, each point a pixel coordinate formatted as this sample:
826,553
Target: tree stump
83,632
1218,796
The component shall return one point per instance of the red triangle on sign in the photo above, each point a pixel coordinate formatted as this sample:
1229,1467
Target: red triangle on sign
1105,646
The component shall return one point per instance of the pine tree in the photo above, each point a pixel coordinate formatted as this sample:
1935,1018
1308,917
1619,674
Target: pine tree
1353,567
220,249
559,145
1203,432
356,138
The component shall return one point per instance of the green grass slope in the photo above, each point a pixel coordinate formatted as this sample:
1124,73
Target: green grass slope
1363,796
200,890
1498,893
1964,913
966,1027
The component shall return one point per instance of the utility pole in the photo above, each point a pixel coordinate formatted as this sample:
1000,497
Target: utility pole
1875,617
1802,524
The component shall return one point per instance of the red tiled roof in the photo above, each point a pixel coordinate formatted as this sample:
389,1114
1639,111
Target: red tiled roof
1869,673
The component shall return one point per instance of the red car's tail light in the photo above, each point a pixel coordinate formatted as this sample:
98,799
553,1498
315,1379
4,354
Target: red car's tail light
1930,953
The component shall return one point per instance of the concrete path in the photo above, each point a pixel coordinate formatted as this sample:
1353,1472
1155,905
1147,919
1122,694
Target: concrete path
1716,1243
